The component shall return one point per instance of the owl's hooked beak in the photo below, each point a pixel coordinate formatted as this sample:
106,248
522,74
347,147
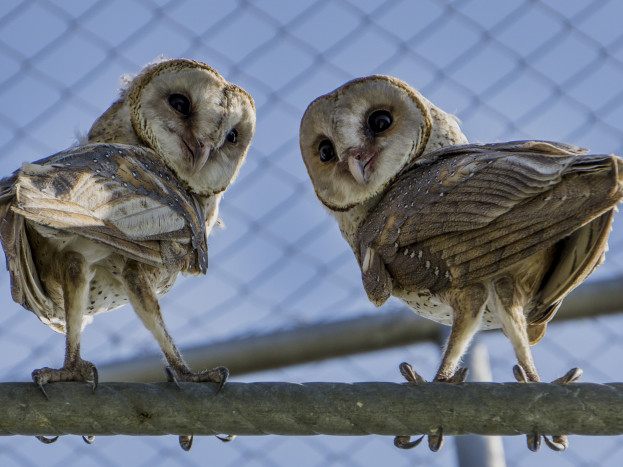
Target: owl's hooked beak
199,153
360,164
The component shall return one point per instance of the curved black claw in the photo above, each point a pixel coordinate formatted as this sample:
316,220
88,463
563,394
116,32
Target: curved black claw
558,443
171,377
45,440
95,377
520,374
404,442
36,377
435,442
571,376
410,374
460,376
226,439
224,372
186,442
88,439
534,441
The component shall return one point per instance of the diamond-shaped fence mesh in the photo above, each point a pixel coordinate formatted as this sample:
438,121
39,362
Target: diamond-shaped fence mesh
519,69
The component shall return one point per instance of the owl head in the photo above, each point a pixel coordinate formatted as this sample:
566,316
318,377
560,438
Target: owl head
199,123
356,139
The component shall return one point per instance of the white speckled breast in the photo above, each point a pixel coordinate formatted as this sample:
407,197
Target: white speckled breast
432,307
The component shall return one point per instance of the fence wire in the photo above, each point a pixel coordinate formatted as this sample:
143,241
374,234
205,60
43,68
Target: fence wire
509,70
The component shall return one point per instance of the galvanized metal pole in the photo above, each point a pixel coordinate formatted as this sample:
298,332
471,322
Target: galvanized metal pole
312,408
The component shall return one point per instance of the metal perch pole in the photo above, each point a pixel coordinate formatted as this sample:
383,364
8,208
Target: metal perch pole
312,408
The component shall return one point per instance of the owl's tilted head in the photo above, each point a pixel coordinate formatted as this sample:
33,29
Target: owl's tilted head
197,121
356,139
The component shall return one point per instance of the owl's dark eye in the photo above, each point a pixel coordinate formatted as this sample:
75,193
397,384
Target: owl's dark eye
180,103
379,121
232,136
326,150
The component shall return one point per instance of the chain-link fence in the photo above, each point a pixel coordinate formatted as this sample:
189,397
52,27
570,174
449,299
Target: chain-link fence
509,70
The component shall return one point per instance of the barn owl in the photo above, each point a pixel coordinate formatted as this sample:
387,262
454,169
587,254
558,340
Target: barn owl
469,235
118,217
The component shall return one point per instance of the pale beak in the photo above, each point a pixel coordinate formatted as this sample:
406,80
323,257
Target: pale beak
200,153
356,169
359,165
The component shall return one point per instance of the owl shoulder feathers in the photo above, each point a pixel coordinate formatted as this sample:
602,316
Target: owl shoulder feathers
461,214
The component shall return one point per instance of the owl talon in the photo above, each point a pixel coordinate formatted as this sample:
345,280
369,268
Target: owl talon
78,370
171,378
95,376
558,443
216,375
226,439
224,376
45,440
458,377
571,376
520,374
186,442
409,373
37,380
435,442
534,442
88,439
404,442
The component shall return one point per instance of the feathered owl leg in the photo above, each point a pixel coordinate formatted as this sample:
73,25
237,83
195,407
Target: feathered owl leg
145,303
146,306
468,305
515,327
75,279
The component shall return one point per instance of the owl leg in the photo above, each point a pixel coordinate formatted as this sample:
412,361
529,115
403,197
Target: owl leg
75,279
515,327
514,324
145,303
468,305
146,306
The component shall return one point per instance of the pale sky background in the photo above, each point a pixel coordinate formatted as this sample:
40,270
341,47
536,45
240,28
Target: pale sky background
516,69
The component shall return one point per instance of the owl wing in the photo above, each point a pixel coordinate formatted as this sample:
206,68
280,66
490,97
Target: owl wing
463,213
119,195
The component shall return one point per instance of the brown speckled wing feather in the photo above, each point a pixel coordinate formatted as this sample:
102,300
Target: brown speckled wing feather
463,213
119,195
26,289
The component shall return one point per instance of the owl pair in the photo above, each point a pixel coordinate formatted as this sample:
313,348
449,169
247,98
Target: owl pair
475,236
